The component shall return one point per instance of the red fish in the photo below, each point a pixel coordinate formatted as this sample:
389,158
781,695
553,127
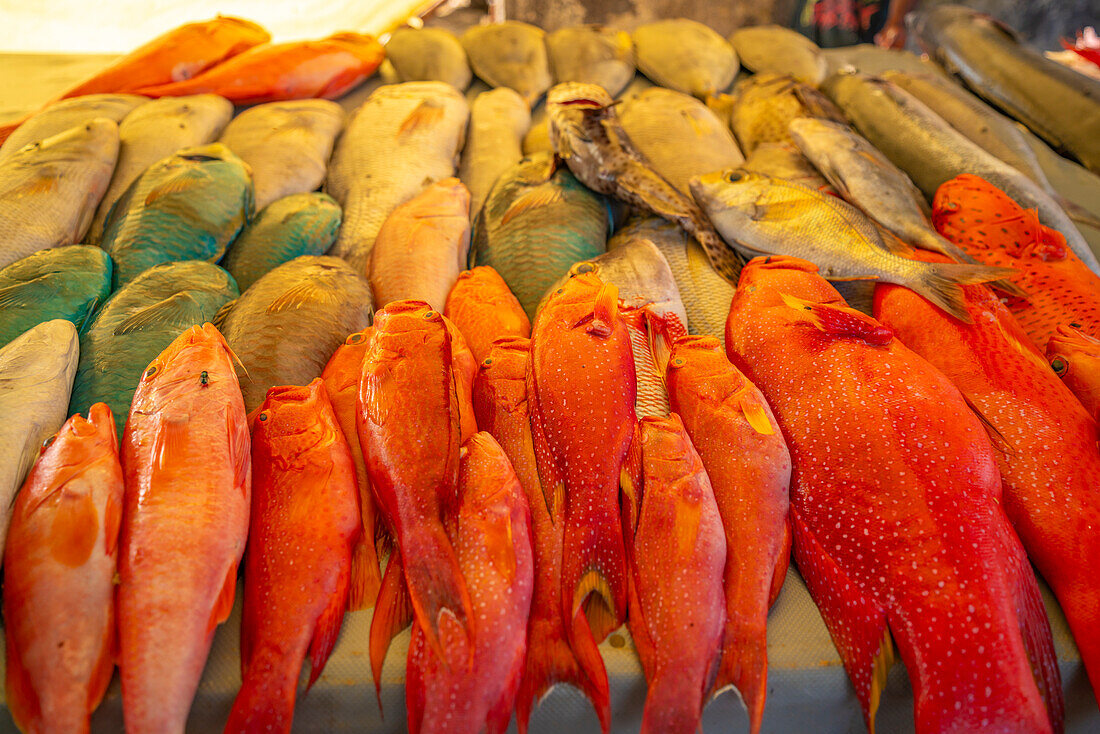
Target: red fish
408,424
186,462
327,69
580,393
484,310
1075,357
746,458
500,403
1049,441
992,228
61,553
678,556
492,538
464,366
895,510
305,523
341,376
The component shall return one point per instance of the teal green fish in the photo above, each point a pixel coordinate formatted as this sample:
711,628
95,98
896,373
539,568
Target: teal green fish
537,221
299,224
60,283
189,206
137,323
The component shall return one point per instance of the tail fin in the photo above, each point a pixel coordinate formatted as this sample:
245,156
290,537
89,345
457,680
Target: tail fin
594,563
935,242
940,283
435,584
744,665
366,578
673,705
392,613
266,699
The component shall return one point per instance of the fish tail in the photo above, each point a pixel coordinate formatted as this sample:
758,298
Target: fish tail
744,666
392,613
940,283
593,574
673,704
266,699
366,577
935,242
435,584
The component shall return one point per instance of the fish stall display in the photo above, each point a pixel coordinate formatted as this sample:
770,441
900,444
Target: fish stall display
451,379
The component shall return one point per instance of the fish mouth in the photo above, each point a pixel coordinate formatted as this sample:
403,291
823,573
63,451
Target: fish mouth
409,305
292,393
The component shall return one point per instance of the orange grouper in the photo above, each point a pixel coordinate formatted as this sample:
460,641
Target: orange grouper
187,466
580,395
895,510
305,523
341,376
746,458
994,229
677,557
1050,468
500,403
409,430
484,309
492,538
1075,357
327,69
61,555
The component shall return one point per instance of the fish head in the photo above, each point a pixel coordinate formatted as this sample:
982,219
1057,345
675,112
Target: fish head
697,358
199,356
80,441
569,105
408,316
502,375
584,301
294,419
95,140
671,463
735,195
447,197
1075,357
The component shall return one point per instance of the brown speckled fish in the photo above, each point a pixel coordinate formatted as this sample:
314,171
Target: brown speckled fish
1075,357
587,135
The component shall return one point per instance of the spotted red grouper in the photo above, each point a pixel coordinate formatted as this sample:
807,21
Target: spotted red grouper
1050,468
492,538
677,559
500,404
580,393
1075,357
995,230
746,458
895,510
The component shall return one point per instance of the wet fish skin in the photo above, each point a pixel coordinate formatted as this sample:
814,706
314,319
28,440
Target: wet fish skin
537,221
317,296
286,144
304,522
509,54
773,49
49,189
765,104
499,119
36,377
61,556
1075,358
65,114
746,459
428,54
678,135
484,310
402,138
154,131
927,148
679,551
812,356
295,225
774,217
491,537
588,136
501,406
60,283
785,161
592,54
188,206
137,323
685,55
187,467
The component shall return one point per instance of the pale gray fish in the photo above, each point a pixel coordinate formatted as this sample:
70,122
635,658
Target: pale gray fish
510,54
499,119
779,50
427,55
592,54
60,116
685,55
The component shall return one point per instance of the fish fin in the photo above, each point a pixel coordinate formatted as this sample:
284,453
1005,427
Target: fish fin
436,585
996,438
415,690
223,605
586,649
22,698
755,414
112,523
894,243
89,315
428,112
366,578
223,313
550,476
639,628
533,199
840,321
631,487
179,309
818,105
605,309
855,622
392,613
170,440
181,183
301,294
74,529
43,183
240,446
21,295
940,283
326,631
500,711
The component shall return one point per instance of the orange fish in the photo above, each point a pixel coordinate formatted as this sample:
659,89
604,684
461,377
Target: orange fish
59,569
483,309
500,403
580,394
464,366
746,458
1075,357
409,430
895,510
326,69
305,523
678,556
186,462
992,228
492,538
341,376
1049,441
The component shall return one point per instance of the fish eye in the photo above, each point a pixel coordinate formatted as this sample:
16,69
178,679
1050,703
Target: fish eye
429,315
1059,365
582,268
678,362
263,416
46,444
355,338
733,176
488,361
151,371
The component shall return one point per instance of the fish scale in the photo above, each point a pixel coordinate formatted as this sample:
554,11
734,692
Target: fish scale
428,54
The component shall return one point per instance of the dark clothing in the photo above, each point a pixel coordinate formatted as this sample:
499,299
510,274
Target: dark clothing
832,23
